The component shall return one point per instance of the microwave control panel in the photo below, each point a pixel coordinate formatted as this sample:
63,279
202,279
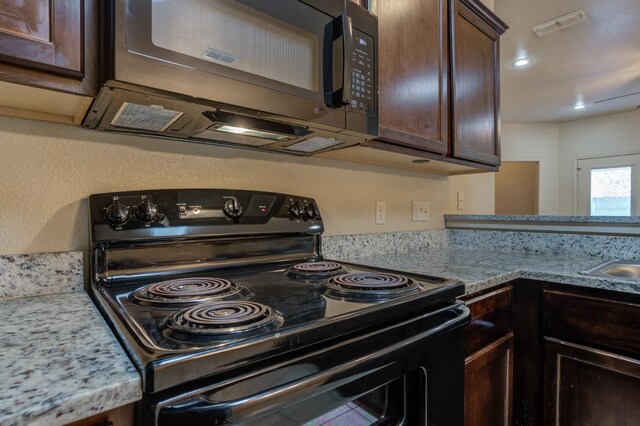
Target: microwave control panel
362,75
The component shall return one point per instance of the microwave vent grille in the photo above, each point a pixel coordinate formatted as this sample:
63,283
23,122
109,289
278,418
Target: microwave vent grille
313,144
145,117
217,55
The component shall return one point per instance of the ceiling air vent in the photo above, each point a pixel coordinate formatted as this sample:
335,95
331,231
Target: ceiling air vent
559,23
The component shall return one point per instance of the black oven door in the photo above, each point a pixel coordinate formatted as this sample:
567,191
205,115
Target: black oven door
289,58
409,373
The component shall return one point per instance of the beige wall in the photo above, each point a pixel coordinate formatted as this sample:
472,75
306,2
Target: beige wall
479,193
536,142
489,4
48,170
517,188
615,134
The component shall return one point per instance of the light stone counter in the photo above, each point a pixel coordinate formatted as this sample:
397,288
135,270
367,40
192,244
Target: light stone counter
484,268
59,362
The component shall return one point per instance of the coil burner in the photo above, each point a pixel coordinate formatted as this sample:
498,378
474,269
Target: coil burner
227,317
370,284
188,291
315,270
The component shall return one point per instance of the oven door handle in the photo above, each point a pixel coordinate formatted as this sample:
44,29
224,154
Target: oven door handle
336,97
382,362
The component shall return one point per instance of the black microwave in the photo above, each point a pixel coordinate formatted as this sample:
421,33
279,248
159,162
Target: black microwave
287,75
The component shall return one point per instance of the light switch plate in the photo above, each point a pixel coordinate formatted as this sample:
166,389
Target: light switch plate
460,200
420,211
381,212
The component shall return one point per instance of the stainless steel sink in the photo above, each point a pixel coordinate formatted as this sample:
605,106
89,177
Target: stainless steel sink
628,269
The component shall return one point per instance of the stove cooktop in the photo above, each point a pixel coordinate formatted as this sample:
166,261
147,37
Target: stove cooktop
242,315
201,283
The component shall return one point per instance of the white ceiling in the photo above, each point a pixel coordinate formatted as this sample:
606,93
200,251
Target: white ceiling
591,61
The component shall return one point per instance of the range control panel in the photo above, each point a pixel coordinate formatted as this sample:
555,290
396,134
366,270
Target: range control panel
363,73
157,214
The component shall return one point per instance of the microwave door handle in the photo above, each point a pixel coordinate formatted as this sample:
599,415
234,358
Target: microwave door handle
347,54
337,96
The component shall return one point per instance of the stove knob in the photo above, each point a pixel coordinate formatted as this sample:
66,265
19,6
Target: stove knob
232,208
147,211
117,213
311,211
296,210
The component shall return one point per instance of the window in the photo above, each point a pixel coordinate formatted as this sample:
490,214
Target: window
609,186
611,191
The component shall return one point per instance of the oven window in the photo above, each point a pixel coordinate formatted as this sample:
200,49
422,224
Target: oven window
370,409
236,36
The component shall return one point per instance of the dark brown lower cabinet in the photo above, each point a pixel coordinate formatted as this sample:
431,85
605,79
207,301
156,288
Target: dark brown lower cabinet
489,384
589,387
489,361
121,416
551,354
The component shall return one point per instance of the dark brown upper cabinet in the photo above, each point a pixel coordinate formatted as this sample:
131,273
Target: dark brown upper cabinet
413,73
50,44
439,80
475,70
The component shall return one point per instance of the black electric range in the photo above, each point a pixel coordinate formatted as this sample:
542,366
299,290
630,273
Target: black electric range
224,302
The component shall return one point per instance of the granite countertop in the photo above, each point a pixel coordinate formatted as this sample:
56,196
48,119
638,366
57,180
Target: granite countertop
59,361
546,218
481,269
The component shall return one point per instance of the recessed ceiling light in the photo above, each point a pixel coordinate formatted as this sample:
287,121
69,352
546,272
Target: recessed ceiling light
522,62
578,106
421,161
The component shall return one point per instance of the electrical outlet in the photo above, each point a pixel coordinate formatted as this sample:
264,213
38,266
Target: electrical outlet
420,210
460,200
381,212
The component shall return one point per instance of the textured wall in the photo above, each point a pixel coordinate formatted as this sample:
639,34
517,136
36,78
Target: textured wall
48,170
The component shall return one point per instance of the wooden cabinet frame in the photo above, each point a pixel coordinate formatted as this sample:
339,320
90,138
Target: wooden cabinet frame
66,60
463,106
398,78
574,352
569,400
420,50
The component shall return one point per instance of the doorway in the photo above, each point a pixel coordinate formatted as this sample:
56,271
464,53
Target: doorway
517,188
609,186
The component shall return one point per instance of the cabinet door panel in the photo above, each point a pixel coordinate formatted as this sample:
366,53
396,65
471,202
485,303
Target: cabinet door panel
26,19
592,320
43,34
490,318
413,73
489,384
589,387
476,81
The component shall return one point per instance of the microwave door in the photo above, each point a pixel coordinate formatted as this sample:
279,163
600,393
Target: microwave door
262,55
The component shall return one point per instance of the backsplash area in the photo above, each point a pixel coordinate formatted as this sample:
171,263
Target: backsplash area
602,246
47,273
344,246
40,274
